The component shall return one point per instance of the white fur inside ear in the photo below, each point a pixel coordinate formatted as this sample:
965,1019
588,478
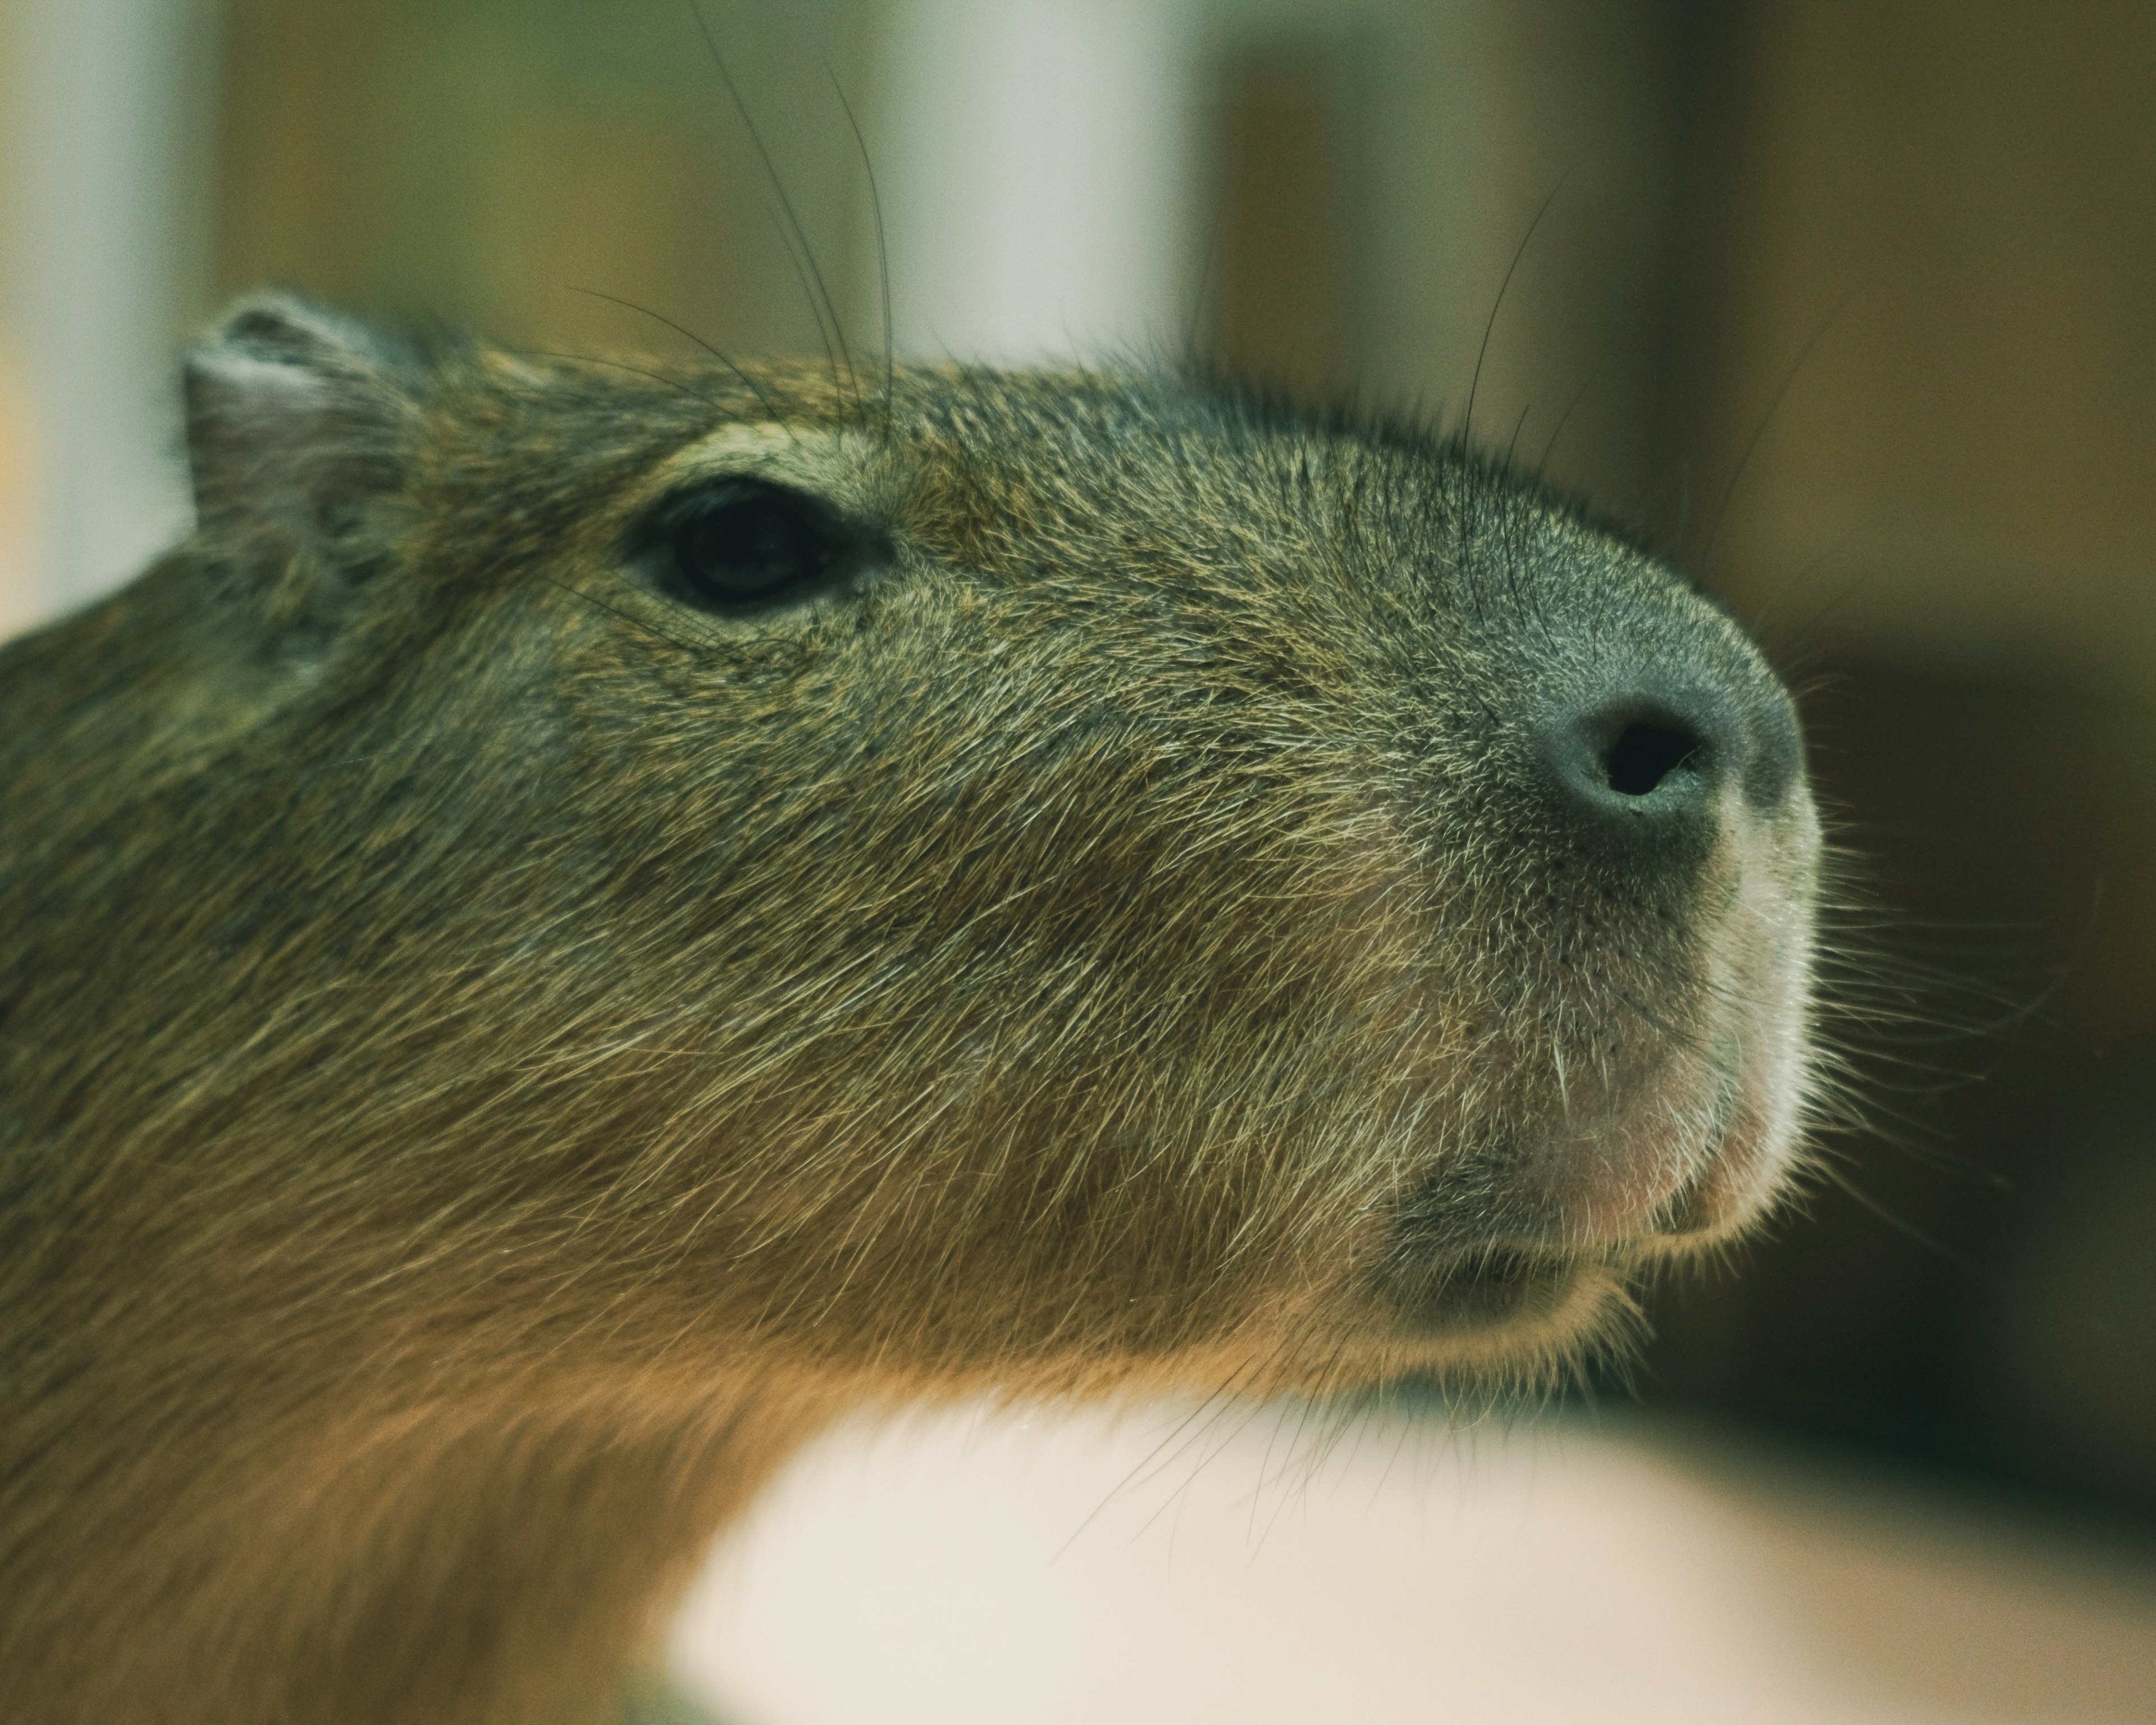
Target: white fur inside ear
255,432
270,390
293,419
255,409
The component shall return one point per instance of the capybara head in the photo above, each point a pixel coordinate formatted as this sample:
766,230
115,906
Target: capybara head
594,914
1054,877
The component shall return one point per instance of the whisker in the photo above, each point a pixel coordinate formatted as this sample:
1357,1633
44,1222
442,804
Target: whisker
1520,425
1563,419
1758,624
647,626
594,359
1766,419
1467,423
820,304
883,253
682,330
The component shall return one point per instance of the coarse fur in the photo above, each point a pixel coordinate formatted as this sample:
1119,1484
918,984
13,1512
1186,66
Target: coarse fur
492,1055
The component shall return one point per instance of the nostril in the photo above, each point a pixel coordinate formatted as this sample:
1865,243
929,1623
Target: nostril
1644,753
1647,753
1646,759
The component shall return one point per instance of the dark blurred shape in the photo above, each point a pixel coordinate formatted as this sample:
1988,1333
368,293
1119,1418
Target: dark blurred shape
1912,345
2070,1373
1965,1287
1947,205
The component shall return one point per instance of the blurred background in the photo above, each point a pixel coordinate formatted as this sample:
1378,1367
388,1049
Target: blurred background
1852,308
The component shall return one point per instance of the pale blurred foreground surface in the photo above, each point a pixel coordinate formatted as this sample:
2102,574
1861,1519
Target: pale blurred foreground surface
985,1567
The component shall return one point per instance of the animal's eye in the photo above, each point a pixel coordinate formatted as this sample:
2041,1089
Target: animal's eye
744,545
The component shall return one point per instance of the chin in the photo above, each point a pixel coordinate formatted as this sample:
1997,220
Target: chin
1527,1327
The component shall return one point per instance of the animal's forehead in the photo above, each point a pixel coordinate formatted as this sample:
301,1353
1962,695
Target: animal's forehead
983,463
1115,464
961,453
1077,451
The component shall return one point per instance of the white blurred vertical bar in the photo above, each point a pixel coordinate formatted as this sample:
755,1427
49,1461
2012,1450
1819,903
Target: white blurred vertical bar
106,194
1037,201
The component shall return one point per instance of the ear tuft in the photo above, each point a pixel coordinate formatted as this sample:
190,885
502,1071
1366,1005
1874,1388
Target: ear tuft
298,418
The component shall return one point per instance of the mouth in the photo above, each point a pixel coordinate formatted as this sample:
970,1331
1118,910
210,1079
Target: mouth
1526,1229
1579,1212
1500,1288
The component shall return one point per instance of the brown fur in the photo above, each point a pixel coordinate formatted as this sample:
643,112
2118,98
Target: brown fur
491,1057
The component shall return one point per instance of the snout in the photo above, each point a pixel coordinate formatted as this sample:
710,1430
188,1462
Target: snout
1651,1049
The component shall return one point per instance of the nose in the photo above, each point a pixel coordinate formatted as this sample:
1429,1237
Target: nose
1647,758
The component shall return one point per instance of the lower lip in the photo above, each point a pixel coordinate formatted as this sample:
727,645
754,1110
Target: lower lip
1483,1291
1656,1194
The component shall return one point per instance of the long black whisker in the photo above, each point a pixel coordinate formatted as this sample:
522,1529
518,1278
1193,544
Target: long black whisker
619,365
1932,1243
1518,426
1801,637
683,331
803,279
1757,625
629,617
835,340
1563,419
1483,351
1205,284
1152,1461
1766,419
883,253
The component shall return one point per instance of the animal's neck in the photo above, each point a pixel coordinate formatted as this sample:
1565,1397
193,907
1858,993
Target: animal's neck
459,1564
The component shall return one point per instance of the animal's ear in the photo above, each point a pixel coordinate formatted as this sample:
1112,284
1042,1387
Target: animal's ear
298,420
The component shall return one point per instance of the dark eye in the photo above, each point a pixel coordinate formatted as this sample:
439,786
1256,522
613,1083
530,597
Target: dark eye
743,545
